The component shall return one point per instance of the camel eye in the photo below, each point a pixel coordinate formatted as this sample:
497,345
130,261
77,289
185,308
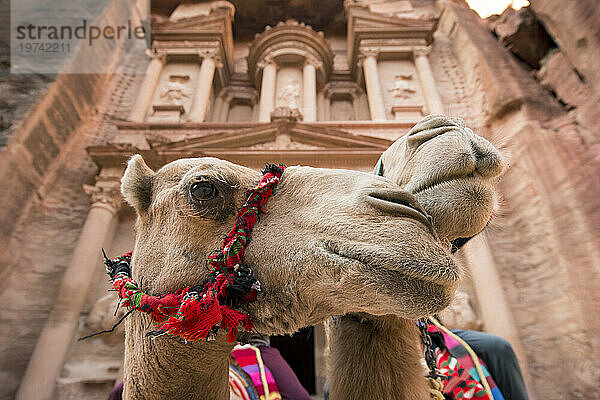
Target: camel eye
202,191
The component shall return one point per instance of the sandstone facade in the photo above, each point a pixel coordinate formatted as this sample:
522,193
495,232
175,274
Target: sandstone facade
303,91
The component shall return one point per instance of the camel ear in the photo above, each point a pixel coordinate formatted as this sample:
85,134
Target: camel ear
136,184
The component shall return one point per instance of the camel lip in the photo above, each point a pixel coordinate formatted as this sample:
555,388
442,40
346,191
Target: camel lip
428,185
386,262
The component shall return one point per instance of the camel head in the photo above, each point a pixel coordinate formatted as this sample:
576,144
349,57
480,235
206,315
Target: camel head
450,170
330,241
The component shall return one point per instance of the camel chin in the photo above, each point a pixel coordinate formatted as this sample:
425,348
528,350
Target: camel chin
459,207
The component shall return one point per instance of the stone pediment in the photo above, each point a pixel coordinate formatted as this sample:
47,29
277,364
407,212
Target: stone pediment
404,28
362,18
201,23
291,143
278,136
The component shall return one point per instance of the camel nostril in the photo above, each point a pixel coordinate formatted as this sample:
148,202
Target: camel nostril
490,164
399,203
399,197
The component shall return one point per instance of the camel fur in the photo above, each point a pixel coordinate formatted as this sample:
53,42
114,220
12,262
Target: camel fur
331,242
452,172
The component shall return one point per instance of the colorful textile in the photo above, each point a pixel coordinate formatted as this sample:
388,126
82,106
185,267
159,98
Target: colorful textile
249,359
458,383
289,386
198,313
240,384
463,381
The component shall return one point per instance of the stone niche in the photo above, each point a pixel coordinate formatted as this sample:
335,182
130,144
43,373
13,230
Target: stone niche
240,112
343,100
235,103
289,64
174,92
342,109
402,93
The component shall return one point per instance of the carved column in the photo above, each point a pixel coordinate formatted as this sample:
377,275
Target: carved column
374,92
267,90
203,86
217,108
432,96
146,92
225,106
355,94
309,90
56,336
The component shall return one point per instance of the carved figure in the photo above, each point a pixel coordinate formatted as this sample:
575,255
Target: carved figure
403,88
289,96
176,90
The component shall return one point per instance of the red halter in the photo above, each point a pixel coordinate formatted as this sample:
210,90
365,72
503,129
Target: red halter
198,313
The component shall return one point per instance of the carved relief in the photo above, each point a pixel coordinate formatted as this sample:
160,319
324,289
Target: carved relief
286,114
283,142
289,95
289,87
403,89
176,91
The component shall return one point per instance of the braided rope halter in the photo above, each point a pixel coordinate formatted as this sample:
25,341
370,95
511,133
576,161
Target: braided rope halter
200,312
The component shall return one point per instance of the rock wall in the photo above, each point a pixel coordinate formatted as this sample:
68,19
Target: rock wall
545,239
42,167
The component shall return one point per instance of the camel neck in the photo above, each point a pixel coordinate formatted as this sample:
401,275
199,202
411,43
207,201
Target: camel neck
168,368
375,357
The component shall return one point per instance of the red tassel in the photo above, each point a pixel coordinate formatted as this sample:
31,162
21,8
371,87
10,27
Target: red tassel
196,320
231,320
161,307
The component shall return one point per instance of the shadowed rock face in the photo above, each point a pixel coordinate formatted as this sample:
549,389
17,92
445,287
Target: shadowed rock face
330,241
522,34
253,15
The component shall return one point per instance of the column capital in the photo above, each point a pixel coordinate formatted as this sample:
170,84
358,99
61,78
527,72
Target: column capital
156,54
226,94
311,60
211,54
421,50
370,51
267,60
106,192
355,93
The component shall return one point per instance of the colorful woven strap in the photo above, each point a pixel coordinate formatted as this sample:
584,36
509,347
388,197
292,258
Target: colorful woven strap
200,312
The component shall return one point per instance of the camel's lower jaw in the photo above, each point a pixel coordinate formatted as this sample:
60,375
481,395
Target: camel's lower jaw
459,207
411,297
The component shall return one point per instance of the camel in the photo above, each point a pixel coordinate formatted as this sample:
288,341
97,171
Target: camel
451,171
331,242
